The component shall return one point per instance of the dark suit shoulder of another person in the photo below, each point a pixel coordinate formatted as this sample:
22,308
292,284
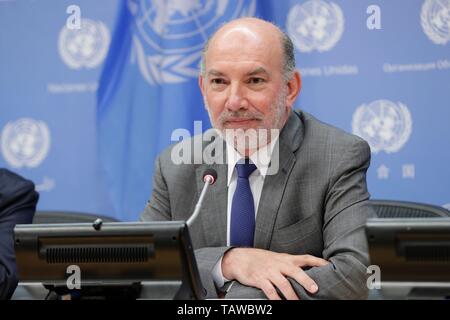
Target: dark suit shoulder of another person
18,200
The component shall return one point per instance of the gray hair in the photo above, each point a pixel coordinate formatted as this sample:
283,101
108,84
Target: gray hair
286,45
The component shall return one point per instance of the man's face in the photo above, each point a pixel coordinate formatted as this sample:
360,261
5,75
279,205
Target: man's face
243,85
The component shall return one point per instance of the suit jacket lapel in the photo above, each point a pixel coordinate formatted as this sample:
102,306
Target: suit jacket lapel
274,185
214,210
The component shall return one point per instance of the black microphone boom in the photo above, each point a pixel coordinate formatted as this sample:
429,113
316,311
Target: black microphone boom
209,178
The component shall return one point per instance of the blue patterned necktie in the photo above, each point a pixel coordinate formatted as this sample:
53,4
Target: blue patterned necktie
242,227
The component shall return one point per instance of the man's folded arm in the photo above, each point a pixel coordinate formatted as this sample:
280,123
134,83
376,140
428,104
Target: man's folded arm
333,283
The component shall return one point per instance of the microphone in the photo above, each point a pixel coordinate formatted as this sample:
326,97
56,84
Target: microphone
209,178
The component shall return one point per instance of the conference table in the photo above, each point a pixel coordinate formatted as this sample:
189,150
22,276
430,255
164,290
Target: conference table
167,289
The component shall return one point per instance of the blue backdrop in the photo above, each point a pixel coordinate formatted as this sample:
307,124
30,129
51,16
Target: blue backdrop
90,91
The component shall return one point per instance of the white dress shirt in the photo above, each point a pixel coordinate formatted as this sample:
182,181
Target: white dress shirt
261,159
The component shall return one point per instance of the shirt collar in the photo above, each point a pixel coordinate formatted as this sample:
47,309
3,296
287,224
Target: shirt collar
261,158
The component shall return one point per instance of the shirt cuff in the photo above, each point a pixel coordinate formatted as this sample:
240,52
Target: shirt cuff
218,278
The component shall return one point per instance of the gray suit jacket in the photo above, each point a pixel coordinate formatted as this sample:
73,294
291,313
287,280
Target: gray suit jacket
316,205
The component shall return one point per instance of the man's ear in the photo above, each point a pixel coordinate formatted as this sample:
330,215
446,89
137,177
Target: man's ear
294,87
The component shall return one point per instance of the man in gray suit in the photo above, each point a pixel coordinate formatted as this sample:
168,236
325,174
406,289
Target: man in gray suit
293,232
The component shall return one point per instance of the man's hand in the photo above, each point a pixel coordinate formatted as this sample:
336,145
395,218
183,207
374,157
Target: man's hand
266,270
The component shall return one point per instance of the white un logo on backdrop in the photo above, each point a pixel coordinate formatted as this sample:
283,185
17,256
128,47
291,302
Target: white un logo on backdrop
383,124
315,25
435,20
171,34
25,142
85,47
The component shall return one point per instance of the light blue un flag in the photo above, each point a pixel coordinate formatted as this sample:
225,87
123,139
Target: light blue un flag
148,88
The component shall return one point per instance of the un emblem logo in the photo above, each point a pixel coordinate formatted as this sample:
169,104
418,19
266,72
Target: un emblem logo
170,34
25,142
435,20
315,25
85,47
383,124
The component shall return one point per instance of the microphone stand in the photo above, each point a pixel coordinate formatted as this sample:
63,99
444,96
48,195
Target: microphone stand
208,181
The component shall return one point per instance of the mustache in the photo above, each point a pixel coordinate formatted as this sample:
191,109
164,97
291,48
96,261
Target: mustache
240,115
